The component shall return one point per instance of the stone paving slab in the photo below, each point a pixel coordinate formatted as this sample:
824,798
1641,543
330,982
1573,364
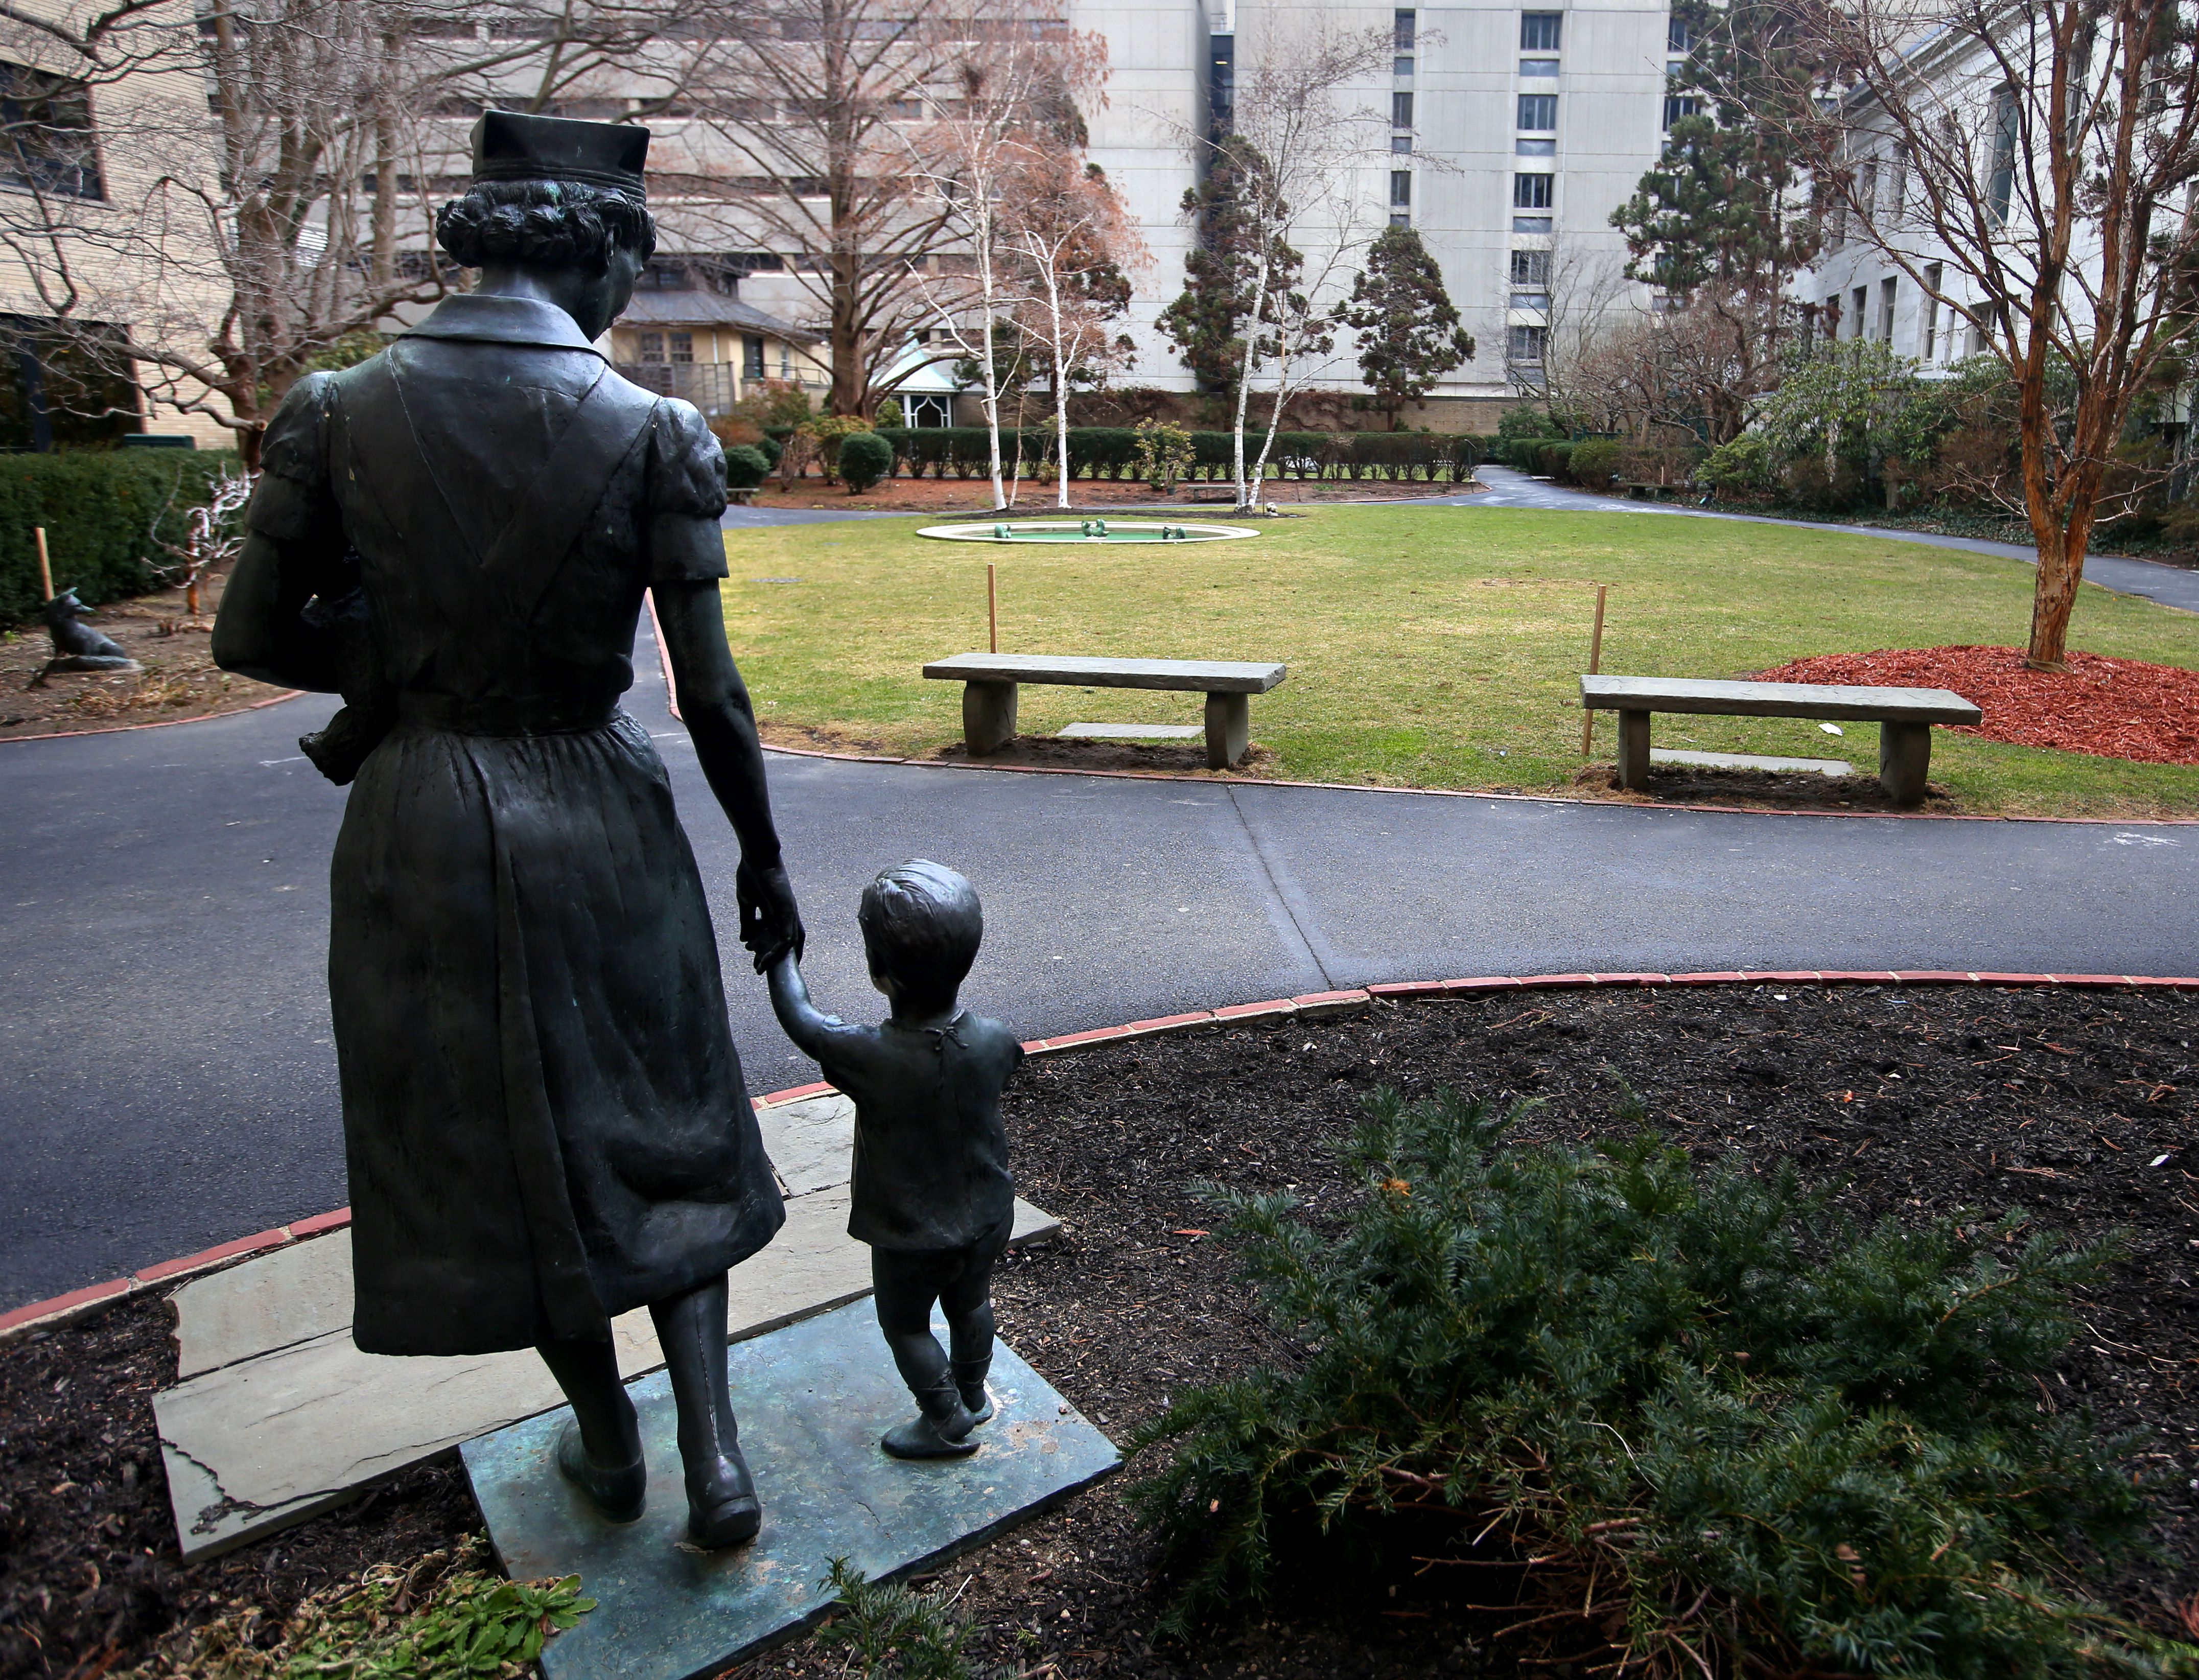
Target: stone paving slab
278,1416
814,1398
1131,732
1718,761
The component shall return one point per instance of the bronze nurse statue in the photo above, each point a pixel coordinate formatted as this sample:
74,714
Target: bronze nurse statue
545,1121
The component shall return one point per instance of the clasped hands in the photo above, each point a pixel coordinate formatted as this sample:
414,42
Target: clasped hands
771,925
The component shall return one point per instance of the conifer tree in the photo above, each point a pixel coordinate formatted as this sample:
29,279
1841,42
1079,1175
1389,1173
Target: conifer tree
1720,206
1207,322
1409,332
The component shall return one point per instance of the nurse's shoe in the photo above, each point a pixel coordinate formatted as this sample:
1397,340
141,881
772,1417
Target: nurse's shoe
722,1508
617,1493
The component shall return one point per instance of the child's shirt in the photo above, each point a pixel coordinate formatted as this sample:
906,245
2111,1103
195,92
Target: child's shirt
932,1155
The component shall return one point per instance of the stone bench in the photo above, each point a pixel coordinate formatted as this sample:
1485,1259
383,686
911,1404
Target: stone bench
1905,717
990,680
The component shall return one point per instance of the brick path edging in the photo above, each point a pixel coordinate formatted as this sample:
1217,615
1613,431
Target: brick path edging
1311,1006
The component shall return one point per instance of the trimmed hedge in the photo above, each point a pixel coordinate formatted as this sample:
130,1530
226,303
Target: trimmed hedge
99,508
1111,451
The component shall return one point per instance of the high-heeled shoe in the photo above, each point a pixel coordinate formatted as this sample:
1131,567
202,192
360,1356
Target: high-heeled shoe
618,1493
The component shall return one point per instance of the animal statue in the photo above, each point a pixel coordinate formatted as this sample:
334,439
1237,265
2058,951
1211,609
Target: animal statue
77,645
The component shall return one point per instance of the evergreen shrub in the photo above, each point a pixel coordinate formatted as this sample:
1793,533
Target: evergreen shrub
103,511
1593,463
1683,1410
865,457
1554,459
746,467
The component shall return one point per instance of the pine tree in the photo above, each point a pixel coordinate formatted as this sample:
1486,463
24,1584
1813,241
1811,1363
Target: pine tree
1409,332
1206,323
1719,207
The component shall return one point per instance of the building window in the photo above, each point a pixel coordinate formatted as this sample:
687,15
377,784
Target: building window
1861,298
752,356
683,346
1677,36
1401,219
1401,188
1678,105
1535,69
68,387
1885,295
1538,31
1524,344
1221,78
1538,112
1531,192
652,346
1531,224
1401,110
1932,274
1405,20
2000,188
1400,143
47,121
1538,301
666,276
1531,268
1536,149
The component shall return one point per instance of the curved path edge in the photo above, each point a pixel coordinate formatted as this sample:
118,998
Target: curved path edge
97,1297
157,723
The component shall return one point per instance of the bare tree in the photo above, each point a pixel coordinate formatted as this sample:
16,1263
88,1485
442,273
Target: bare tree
240,252
1017,85
1073,239
1296,150
2029,168
213,535
819,99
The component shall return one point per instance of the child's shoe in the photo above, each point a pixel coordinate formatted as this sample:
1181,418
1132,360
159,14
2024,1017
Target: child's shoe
937,1431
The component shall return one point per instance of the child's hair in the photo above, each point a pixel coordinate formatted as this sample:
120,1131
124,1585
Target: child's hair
922,924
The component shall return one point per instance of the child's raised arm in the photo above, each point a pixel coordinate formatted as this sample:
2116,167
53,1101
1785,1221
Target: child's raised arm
810,1029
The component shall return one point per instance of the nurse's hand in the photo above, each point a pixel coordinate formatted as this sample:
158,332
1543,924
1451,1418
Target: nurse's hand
771,925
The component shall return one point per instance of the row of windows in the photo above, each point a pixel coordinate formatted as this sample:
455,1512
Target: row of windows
1538,112
1529,192
1539,31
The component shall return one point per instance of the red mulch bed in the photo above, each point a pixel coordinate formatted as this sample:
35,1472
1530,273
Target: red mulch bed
2113,708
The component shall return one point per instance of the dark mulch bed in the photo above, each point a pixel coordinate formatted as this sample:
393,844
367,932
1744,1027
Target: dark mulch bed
1922,1101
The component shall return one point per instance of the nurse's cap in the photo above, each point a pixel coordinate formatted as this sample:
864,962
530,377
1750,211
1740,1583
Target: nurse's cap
513,146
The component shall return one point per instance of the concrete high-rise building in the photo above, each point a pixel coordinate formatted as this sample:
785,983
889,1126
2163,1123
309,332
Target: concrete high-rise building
1512,135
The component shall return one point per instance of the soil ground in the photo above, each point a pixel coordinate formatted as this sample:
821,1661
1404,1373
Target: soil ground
1035,500
1919,1102
179,679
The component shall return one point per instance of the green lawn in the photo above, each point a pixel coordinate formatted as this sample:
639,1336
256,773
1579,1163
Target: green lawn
1428,647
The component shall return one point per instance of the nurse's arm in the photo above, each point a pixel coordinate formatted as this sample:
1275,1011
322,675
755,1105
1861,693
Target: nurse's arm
259,631
713,704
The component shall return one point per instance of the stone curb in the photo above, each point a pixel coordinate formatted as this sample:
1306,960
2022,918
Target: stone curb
157,723
1312,1005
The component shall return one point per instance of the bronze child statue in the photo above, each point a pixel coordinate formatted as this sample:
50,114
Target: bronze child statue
544,1120
931,1194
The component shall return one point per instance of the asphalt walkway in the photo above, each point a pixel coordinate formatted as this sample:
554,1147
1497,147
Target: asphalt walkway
2171,586
167,1081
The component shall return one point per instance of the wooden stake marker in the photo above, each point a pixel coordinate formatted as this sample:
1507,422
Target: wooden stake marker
1595,659
992,600
45,564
